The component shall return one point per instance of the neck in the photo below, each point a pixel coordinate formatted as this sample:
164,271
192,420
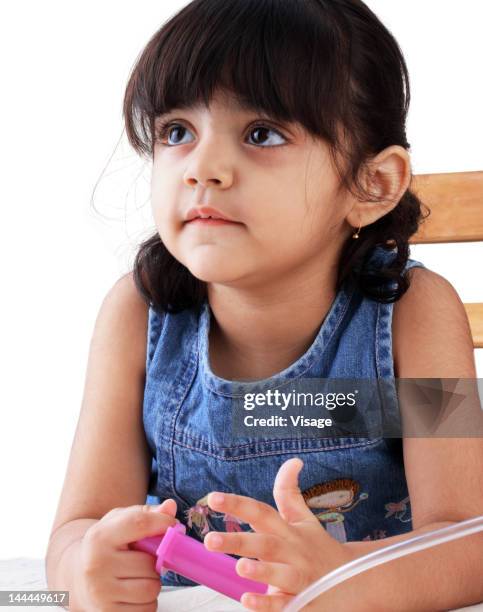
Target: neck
255,334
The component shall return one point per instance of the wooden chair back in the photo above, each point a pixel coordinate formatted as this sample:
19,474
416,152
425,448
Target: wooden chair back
455,200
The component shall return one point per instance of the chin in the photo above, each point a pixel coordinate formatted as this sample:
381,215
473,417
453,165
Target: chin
210,275
212,271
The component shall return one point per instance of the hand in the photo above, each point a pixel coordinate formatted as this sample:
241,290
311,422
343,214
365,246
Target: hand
111,574
292,546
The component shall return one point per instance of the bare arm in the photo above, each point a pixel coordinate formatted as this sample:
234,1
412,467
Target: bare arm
109,462
432,339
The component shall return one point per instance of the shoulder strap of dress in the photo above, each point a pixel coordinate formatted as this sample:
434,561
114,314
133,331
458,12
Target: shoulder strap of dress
155,325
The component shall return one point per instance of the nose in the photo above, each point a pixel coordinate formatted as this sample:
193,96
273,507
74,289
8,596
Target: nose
209,167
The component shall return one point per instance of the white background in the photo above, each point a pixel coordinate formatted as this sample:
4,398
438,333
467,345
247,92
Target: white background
64,70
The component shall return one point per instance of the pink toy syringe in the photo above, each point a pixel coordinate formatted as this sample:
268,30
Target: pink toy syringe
188,557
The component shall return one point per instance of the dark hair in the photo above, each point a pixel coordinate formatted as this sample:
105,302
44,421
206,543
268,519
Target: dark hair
330,65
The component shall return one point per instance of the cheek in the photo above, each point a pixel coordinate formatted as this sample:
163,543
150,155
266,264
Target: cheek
163,209
159,215
323,221
164,188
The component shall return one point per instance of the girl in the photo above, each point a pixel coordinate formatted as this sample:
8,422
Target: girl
281,197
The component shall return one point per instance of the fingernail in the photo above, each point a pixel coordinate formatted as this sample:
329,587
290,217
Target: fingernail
215,540
248,567
217,498
251,601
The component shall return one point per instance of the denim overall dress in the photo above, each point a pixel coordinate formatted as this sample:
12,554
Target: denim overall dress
356,486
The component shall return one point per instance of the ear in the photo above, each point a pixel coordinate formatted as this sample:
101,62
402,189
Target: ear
387,176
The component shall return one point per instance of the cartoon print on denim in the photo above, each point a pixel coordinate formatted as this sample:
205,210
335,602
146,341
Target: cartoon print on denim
399,510
232,524
377,534
334,497
198,518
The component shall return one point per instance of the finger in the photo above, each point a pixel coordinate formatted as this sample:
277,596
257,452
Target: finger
260,516
274,602
129,607
288,497
150,607
258,545
135,564
134,523
137,590
168,506
284,577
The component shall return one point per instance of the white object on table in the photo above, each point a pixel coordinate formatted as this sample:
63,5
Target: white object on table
29,574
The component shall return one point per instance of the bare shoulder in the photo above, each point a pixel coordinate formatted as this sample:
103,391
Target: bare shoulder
124,316
430,329
126,295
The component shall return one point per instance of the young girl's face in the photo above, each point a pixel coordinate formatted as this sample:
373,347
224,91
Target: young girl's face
273,179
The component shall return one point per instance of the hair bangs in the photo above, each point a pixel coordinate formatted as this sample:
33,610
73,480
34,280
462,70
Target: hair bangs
268,54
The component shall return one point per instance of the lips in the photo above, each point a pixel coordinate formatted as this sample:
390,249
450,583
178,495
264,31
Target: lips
205,212
210,221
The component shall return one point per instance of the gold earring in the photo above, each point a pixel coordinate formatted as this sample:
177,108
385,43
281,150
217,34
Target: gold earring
356,235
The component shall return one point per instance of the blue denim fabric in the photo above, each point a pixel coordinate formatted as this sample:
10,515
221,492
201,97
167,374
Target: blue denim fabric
363,491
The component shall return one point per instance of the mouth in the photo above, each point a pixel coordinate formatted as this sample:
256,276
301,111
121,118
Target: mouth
210,221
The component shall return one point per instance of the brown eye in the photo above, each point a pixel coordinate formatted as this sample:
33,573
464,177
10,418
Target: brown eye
166,131
261,132
173,134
